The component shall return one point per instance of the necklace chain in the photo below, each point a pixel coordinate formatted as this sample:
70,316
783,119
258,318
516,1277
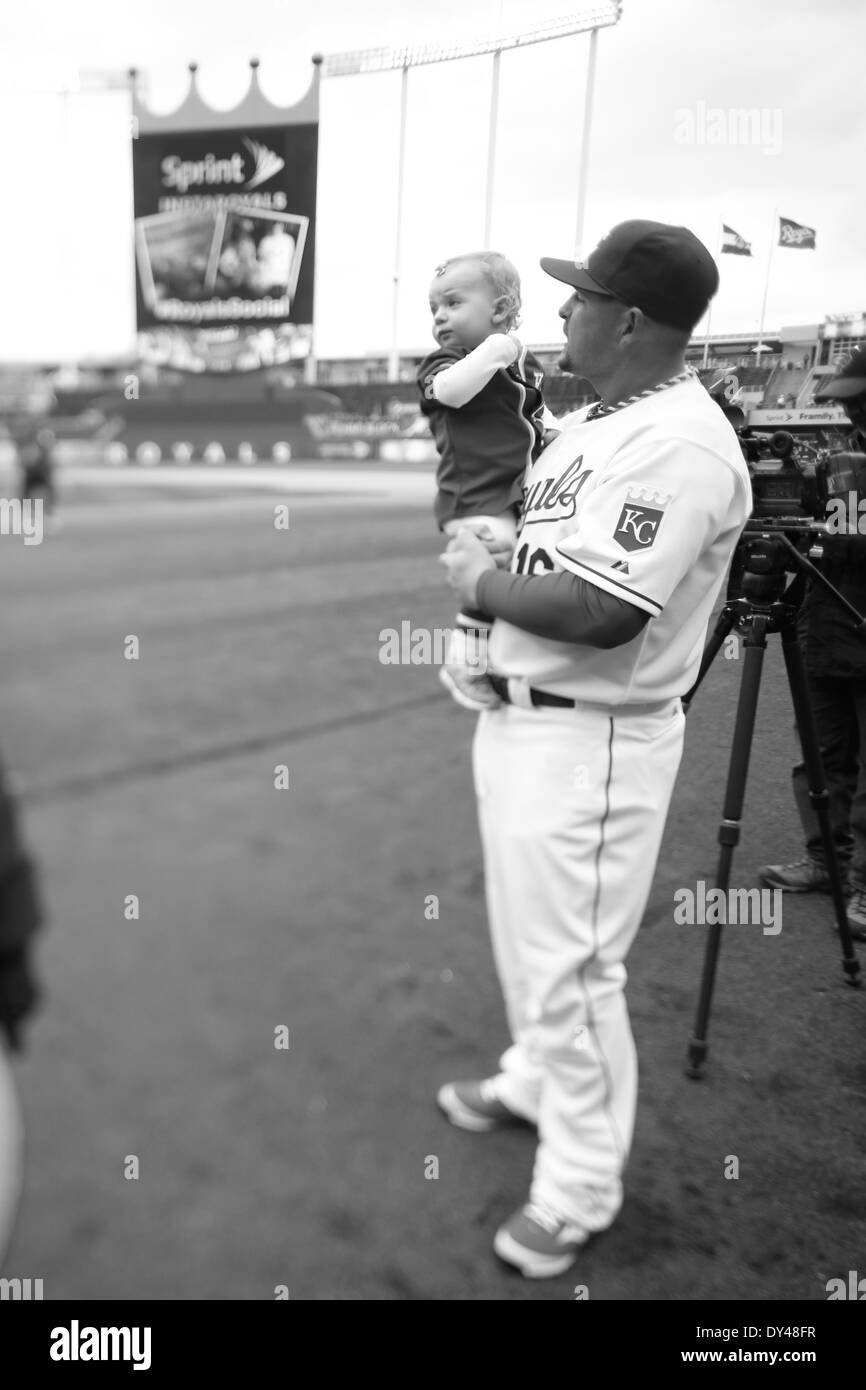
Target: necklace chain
599,409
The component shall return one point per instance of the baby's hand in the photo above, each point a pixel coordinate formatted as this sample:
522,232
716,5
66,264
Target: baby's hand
500,550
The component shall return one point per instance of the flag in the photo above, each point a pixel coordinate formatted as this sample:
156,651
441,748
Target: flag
733,243
792,234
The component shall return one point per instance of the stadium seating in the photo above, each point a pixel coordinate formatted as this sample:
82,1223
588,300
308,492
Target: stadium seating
786,381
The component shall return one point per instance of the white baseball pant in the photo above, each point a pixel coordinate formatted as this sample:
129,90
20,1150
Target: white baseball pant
572,806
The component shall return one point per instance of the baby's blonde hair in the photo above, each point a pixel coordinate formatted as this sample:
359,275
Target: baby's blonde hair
501,276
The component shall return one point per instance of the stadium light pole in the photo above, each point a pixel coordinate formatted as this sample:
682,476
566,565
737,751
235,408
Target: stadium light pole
491,147
356,62
394,360
584,144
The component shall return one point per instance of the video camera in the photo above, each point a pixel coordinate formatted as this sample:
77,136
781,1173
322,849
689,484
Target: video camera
788,476
801,484
794,477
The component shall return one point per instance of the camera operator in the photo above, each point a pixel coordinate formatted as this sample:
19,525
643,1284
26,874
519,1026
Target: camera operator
835,659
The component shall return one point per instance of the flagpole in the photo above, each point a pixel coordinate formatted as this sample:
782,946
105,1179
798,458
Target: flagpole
394,354
773,235
710,305
707,333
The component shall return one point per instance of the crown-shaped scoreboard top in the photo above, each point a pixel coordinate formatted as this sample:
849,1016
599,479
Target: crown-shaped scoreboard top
254,108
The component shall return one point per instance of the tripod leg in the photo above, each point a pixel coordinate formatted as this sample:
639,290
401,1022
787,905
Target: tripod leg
755,644
818,794
727,619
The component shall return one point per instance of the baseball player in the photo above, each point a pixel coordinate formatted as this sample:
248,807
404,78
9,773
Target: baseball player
481,393
629,522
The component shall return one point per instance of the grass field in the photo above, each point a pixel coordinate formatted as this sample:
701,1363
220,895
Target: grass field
304,909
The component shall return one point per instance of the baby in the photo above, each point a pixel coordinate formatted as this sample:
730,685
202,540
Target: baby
481,392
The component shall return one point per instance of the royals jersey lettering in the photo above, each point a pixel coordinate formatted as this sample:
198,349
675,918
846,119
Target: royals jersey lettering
647,504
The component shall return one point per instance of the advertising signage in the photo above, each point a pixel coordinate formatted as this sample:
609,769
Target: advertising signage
225,241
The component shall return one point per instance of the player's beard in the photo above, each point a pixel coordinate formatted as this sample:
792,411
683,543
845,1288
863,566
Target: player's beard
567,357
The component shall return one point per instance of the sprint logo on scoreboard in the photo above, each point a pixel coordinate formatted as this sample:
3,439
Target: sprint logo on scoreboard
184,174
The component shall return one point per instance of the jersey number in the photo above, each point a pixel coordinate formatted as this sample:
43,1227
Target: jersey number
530,562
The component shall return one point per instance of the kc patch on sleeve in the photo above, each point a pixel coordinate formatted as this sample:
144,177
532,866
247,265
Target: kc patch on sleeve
641,516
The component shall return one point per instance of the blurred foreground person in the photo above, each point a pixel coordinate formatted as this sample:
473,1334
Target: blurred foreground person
20,916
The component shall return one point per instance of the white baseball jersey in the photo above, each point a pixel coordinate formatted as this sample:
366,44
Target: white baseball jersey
646,503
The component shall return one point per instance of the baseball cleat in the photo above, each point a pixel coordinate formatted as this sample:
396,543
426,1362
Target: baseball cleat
855,910
474,1105
469,689
539,1242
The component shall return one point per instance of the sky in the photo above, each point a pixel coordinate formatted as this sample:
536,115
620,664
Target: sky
667,143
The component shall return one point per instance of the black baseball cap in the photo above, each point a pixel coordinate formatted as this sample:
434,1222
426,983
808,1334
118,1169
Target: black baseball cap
663,270
848,382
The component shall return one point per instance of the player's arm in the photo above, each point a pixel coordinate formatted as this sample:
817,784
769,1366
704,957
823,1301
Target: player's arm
455,384
636,536
560,607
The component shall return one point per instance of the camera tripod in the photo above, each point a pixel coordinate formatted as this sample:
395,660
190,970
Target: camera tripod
767,603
